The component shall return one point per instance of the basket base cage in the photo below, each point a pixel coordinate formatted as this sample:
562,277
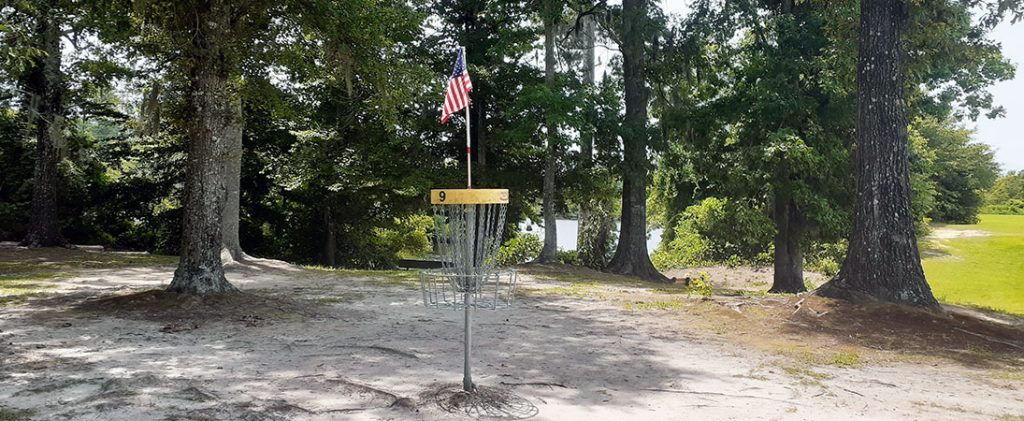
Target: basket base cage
490,290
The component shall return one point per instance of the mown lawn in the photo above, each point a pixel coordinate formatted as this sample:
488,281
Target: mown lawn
984,271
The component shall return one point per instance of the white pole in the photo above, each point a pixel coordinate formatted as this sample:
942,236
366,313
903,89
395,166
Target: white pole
469,154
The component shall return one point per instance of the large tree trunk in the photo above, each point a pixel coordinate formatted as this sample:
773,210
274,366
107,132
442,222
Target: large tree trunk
45,88
549,253
232,247
789,260
631,256
213,116
883,261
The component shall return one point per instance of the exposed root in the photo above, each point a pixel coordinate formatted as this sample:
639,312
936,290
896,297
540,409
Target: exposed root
483,402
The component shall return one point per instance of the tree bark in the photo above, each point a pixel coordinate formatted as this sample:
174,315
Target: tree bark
549,253
330,251
481,139
213,116
594,224
45,87
882,263
631,256
151,110
232,246
788,276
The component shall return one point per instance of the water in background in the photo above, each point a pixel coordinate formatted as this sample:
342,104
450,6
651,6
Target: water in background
567,233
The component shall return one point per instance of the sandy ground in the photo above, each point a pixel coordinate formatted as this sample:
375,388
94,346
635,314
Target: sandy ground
738,278
373,352
943,233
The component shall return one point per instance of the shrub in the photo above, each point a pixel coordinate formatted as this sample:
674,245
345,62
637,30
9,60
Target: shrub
702,285
825,258
568,257
718,231
1010,207
518,250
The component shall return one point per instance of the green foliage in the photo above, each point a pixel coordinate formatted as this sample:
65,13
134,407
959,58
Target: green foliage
961,171
382,245
1010,207
568,257
702,285
825,258
518,250
1006,197
716,231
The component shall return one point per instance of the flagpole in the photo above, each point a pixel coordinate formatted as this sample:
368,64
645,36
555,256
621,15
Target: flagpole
469,154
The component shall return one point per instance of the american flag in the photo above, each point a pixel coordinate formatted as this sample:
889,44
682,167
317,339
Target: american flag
456,97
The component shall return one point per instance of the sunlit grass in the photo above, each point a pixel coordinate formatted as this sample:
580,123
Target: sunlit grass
986,271
399,278
27,273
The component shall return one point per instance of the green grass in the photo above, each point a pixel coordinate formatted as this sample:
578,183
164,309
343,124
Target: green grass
409,279
30,273
986,271
11,414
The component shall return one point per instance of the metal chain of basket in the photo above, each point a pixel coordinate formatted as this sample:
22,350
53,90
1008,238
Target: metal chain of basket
467,233
467,238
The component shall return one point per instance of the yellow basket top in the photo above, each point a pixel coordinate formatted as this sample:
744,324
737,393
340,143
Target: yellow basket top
468,196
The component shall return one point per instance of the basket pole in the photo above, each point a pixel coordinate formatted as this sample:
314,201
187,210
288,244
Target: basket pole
469,153
469,284
467,378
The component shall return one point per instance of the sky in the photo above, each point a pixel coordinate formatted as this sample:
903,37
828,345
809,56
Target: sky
1006,134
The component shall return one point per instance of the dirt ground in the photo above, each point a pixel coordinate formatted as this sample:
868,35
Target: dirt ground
309,344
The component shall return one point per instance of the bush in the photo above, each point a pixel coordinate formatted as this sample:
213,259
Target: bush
1010,207
568,257
825,258
718,231
518,250
364,246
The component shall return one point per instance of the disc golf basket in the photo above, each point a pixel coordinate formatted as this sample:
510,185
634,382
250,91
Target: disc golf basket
467,232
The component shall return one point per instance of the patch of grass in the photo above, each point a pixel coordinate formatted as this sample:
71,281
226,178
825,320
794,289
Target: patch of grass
983,271
28,273
845,360
669,304
805,373
1016,376
842,359
954,408
13,414
384,278
19,287
573,290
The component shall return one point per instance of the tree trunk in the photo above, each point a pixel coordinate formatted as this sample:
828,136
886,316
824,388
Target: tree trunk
232,247
596,224
789,261
631,256
330,239
479,127
151,110
213,116
45,88
549,253
882,262
591,240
